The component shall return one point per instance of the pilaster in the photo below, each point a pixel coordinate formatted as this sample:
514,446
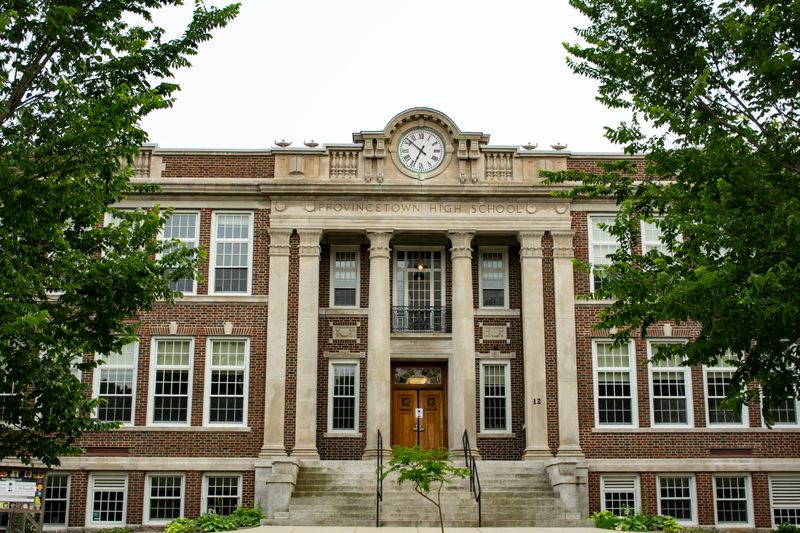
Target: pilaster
277,322
461,401
308,316
379,392
568,430
535,370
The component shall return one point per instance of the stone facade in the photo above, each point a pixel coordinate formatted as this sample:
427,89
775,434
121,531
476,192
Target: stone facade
497,301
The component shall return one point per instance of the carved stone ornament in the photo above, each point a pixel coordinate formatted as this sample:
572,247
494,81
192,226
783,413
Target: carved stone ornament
530,244
279,241
379,243
309,242
461,243
344,332
494,333
562,244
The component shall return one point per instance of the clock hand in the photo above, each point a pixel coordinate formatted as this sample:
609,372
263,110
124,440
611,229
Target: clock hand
418,148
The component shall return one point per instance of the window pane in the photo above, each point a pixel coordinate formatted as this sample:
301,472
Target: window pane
493,278
343,395
675,495
222,494
172,372
165,498
717,389
495,395
731,499
56,496
232,253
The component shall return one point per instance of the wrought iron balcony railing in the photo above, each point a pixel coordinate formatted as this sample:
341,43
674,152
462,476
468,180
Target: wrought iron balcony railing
433,319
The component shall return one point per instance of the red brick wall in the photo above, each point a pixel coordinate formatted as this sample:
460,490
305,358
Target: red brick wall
195,318
218,166
341,447
591,165
704,498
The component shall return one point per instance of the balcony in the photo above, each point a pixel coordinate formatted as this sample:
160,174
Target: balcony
421,319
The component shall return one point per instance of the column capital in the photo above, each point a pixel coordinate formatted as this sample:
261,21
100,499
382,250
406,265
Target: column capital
530,244
462,243
379,243
562,244
309,242
279,241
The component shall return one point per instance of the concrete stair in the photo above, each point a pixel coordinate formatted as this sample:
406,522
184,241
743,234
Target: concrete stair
342,493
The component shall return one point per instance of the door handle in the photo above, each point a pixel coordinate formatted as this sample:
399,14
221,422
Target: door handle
418,428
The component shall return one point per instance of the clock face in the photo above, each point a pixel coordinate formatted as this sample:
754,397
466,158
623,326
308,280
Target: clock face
421,150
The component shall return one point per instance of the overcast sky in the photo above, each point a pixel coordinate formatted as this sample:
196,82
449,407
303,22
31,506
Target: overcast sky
300,70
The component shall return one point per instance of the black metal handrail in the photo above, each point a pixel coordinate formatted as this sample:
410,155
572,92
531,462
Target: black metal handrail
430,318
379,481
474,479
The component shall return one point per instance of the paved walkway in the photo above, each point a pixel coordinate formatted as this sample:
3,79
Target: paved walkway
363,529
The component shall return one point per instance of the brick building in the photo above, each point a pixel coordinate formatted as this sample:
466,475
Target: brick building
347,286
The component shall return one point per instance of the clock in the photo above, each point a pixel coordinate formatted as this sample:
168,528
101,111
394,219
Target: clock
421,150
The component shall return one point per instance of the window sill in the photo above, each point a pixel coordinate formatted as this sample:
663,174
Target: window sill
496,311
735,429
185,429
589,301
497,435
223,299
343,311
337,435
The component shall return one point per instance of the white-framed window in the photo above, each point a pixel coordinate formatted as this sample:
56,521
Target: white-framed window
163,498
495,396
231,257
652,238
226,381
493,276
345,267
601,245
676,498
732,501
784,497
614,384
618,493
343,397
222,493
785,414
56,499
670,390
183,226
115,382
171,381
717,384
107,499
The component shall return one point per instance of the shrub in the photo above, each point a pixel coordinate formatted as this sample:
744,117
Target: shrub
633,521
211,521
787,528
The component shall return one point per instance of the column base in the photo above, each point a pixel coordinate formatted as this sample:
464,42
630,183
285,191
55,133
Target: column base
570,451
272,451
372,453
309,454
459,452
535,454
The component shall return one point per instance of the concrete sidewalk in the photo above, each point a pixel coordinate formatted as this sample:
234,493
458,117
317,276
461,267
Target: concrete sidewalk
389,529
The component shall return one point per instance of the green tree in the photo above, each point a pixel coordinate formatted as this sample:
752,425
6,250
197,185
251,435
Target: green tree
713,88
424,469
77,80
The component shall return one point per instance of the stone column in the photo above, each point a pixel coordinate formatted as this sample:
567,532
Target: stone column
277,322
535,370
379,388
461,381
568,432
305,443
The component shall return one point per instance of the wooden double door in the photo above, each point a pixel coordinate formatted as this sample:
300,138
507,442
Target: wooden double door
410,426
